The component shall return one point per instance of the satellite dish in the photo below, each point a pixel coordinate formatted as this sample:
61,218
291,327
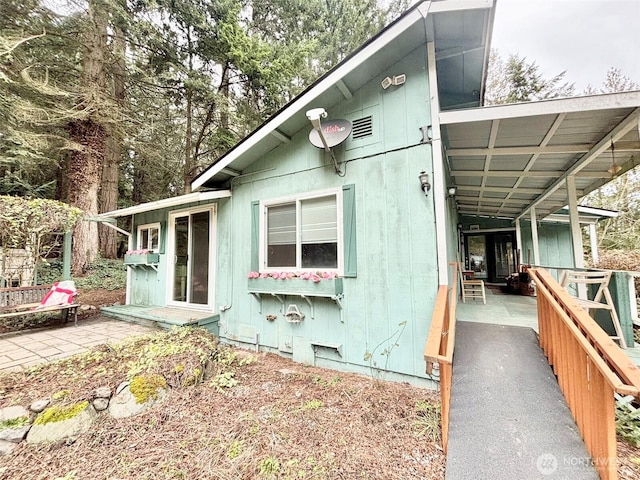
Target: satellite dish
334,132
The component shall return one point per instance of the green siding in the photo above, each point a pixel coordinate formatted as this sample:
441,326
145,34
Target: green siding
255,236
349,220
389,238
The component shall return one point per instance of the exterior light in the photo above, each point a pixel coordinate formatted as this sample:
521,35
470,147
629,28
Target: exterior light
424,182
452,190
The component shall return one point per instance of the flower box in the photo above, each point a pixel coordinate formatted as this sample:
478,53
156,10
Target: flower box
135,259
328,287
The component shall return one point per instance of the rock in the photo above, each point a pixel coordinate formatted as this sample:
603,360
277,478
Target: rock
13,413
14,435
85,307
124,404
121,387
55,431
286,372
102,392
6,447
39,405
100,404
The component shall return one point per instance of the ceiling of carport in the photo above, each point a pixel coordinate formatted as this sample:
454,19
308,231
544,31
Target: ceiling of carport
506,159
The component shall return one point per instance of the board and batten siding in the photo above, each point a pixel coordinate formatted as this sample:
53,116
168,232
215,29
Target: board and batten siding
554,241
396,267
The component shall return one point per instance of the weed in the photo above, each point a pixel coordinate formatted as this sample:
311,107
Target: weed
377,372
269,467
62,394
235,449
311,405
628,421
428,423
224,380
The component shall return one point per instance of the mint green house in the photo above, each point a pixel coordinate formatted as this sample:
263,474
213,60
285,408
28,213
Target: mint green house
360,232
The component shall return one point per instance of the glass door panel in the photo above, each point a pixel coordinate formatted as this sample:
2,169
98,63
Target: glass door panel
199,281
191,249
477,255
181,258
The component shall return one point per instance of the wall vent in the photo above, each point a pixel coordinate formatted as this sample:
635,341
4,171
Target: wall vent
362,127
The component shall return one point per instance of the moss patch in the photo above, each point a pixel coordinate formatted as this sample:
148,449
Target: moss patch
144,387
14,423
59,413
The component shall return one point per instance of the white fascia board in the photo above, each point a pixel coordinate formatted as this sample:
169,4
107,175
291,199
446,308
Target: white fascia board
305,98
595,211
167,202
545,107
598,211
454,5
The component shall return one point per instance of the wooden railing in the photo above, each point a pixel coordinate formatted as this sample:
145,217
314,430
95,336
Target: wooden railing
589,366
438,350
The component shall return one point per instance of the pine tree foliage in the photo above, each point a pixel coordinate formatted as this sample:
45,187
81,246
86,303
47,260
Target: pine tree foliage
515,80
106,103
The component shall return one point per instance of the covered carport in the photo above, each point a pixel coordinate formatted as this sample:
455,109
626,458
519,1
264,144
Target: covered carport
529,160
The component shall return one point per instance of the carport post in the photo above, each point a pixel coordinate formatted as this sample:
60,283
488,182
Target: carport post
576,233
66,257
534,236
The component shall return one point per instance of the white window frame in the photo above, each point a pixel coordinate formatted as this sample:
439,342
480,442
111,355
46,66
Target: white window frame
149,226
264,204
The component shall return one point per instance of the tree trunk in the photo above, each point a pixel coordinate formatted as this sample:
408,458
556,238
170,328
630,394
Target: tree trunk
113,153
85,166
188,175
83,182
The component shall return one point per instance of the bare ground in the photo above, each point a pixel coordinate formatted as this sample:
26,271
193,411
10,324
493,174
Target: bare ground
281,420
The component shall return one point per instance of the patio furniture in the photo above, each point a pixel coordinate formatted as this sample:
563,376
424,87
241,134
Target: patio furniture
601,279
471,287
18,301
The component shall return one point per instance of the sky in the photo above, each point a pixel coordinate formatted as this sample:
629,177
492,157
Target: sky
583,37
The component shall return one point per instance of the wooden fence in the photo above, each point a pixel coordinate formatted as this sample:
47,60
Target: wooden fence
589,366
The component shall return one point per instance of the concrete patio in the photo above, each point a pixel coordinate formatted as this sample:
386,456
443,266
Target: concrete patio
21,350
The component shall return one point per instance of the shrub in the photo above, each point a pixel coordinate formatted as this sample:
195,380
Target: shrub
103,273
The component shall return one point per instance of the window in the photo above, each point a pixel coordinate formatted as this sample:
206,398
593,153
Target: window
303,233
149,237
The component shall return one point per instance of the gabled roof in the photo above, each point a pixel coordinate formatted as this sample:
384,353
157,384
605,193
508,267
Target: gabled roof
506,159
460,30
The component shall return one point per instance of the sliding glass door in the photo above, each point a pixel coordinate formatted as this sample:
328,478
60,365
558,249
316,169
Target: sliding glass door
192,246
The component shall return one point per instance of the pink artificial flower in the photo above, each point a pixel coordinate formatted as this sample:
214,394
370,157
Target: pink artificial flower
314,277
305,276
290,274
253,275
264,275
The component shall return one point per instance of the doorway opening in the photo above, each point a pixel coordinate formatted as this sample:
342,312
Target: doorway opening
491,255
191,243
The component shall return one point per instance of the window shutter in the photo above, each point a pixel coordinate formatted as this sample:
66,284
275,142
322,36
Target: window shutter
255,236
349,225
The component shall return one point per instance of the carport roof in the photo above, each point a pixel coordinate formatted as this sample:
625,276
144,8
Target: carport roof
506,159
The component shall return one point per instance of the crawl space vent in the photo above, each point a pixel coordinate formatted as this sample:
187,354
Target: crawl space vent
362,127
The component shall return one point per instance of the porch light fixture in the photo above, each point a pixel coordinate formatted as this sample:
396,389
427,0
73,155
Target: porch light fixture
424,182
452,191
395,80
614,169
